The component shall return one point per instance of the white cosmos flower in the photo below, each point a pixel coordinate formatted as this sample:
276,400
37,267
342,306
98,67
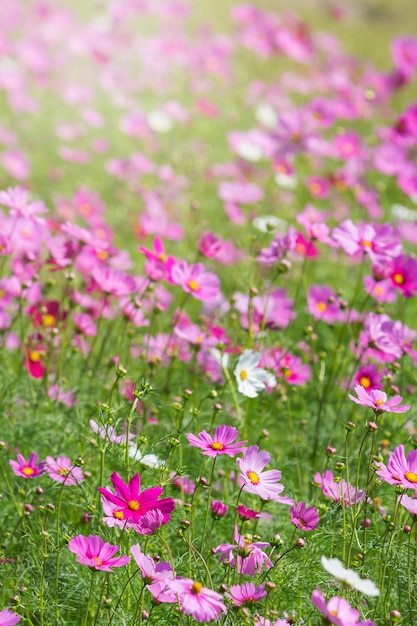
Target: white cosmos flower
286,181
349,577
160,122
148,460
250,378
269,224
266,115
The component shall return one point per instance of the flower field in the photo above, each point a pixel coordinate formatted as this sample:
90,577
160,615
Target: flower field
207,313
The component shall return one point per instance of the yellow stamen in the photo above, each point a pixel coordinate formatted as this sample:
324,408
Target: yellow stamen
379,402
64,471
411,477
48,320
118,515
365,382
322,306
216,445
28,471
196,588
34,356
133,505
97,560
398,279
193,285
366,244
253,477
243,375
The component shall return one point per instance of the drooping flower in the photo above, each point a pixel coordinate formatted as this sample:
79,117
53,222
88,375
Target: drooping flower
246,594
250,378
202,603
220,443
218,509
349,577
246,555
377,400
27,469
400,470
96,553
133,504
63,470
303,518
338,491
149,570
266,485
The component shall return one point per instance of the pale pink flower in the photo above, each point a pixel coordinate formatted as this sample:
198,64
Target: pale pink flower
266,485
95,553
63,470
202,603
220,443
8,618
377,400
246,594
195,280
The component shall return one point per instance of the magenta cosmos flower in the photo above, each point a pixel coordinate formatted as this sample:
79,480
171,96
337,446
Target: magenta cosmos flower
246,594
304,519
63,470
96,553
220,443
400,470
132,504
377,400
195,280
264,484
8,618
250,556
29,468
203,604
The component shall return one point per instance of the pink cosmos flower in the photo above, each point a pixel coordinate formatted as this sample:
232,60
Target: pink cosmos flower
338,491
264,484
29,468
202,603
195,280
377,400
368,377
109,433
149,570
323,304
63,470
113,282
96,553
246,594
336,611
158,264
250,557
378,241
409,503
247,514
218,509
400,470
8,618
304,519
404,275
132,504
220,443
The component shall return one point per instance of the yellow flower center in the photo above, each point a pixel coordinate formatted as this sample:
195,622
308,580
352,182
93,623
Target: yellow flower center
85,208
193,285
28,471
398,279
102,255
133,505
411,477
243,375
253,477
322,306
315,188
286,372
48,320
366,244
118,515
379,402
216,445
365,382
64,471
34,356
97,560
163,257
196,588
